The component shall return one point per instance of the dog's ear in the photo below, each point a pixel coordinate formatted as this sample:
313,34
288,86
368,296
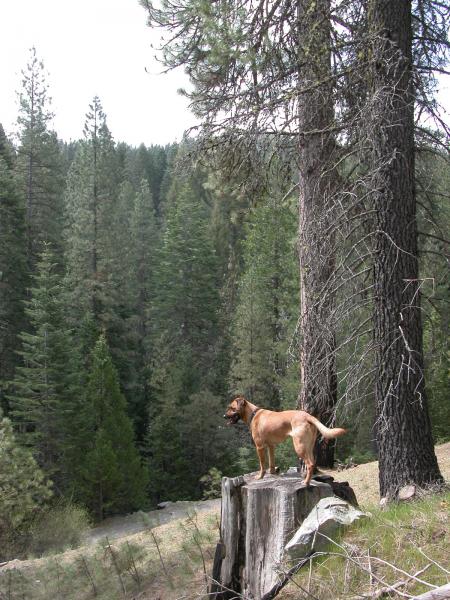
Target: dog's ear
240,402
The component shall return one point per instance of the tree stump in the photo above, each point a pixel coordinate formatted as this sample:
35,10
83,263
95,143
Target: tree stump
258,517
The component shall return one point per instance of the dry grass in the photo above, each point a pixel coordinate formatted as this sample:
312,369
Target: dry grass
382,551
176,571
364,478
157,563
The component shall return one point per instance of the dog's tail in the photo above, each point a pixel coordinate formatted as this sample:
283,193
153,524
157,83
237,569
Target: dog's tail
327,433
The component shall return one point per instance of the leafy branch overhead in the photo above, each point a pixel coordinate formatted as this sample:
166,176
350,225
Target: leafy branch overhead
340,92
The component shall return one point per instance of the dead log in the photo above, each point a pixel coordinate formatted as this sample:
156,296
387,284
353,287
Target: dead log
258,517
437,594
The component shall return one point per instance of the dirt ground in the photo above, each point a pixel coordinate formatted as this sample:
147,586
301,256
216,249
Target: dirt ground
118,527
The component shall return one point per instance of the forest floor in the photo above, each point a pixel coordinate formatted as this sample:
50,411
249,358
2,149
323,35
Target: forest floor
166,555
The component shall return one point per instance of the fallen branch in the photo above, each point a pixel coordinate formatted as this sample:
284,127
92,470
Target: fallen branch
408,575
354,560
385,562
219,588
433,561
388,589
440,593
288,576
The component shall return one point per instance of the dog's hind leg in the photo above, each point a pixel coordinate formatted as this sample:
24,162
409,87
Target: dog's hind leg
307,456
262,462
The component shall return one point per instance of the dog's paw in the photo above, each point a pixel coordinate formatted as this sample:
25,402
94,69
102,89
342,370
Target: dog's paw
260,475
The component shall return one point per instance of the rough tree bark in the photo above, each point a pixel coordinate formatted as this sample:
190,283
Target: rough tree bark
257,519
405,445
318,394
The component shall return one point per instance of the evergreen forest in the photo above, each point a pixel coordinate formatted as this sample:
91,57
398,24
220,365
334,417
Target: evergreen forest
141,288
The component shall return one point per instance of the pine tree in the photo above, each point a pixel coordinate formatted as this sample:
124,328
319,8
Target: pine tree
168,465
184,326
176,459
89,235
13,268
141,282
118,267
45,387
39,164
230,210
167,177
23,490
144,246
111,478
6,149
433,222
268,68
150,165
317,157
405,444
186,306
266,311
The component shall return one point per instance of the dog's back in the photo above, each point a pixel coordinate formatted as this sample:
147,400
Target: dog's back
274,427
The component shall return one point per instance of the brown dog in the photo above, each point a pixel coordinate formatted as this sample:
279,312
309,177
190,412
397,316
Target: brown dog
269,428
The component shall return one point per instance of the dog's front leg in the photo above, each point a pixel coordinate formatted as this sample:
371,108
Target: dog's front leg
262,462
272,468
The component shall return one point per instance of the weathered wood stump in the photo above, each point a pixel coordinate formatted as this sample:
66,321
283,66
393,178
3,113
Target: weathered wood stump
257,519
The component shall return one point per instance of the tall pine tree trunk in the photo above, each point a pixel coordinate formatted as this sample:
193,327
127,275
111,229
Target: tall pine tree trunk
318,394
405,445
96,309
30,180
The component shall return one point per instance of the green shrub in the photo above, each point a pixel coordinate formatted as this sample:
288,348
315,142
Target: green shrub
62,526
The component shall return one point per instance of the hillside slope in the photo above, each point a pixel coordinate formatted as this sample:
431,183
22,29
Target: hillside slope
173,560
364,478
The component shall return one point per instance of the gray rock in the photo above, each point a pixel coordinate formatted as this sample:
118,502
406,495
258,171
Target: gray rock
321,523
407,492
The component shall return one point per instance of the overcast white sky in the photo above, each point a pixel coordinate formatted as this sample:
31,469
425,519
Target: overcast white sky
92,47
95,47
